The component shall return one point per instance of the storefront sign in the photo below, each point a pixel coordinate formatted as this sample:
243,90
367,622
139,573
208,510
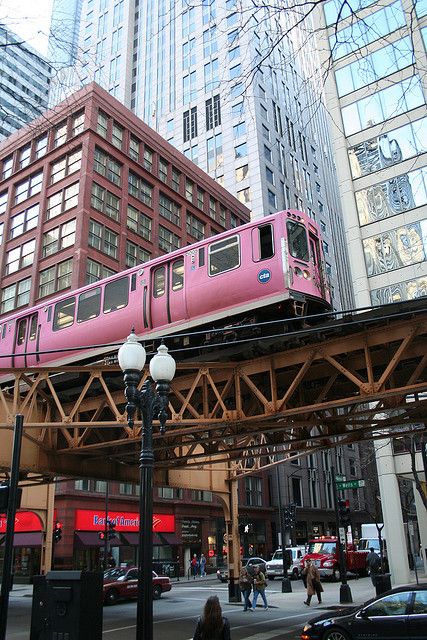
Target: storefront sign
89,520
190,530
24,521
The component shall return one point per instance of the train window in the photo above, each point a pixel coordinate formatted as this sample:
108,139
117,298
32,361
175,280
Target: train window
49,314
159,282
63,315
224,255
201,256
133,282
89,305
313,251
22,330
297,239
33,328
116,294
178,275
262,242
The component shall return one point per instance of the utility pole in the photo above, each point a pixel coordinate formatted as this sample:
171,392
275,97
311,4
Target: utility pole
286,583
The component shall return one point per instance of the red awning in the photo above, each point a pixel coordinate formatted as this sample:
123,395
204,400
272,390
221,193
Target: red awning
91,539
159,539
30,539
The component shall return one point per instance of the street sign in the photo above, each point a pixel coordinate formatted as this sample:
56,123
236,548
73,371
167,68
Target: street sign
342,535
350,484
339,478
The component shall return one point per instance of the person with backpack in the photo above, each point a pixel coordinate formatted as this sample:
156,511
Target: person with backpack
373,563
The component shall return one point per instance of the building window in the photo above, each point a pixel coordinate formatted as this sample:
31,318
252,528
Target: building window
24,156
148,159
176,179
241,151
244,195
103,239
65,166
105,201
107,166
352,466
169,209
272,200
24,221
60,134
59,238
135,255
96,271
77,123
62,201
253,491
102,125
55,278
242,172
7,167
117,135
15,296
82,485
211,75
239,130
168,241
140,189
201,496
214,152
213,112
210,44
195,227
20,257
100,486
28,187
138,222
134,146
126,488
189,189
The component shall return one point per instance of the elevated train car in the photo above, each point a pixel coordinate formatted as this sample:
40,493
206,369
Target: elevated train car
267,269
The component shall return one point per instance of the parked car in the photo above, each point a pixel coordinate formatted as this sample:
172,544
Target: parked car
275,565
122,584
249,563
399,613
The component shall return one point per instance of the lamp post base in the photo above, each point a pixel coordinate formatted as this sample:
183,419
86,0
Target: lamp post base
286,585
345,594
234,594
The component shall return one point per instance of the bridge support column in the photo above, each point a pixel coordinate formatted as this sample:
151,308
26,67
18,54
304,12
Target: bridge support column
422,526
392,513
233,545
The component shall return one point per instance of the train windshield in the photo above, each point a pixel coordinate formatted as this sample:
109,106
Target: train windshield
297,238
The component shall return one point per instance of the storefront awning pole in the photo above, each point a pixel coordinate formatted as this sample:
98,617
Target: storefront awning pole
6,583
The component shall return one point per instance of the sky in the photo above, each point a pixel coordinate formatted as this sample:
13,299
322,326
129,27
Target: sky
29,19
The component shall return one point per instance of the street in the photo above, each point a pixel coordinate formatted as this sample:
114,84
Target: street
178,611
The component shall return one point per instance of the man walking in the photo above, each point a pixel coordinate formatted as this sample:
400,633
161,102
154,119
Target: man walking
259,588
373,563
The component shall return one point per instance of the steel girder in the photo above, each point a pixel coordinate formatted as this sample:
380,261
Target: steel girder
358,385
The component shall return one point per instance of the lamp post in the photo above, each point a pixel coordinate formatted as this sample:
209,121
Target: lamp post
150,403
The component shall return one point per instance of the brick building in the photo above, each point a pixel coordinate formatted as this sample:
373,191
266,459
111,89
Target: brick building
88,190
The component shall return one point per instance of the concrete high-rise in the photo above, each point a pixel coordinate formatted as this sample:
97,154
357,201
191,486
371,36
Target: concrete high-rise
376,96
24,85
207,76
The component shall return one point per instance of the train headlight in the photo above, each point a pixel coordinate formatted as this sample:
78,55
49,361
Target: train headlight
307,275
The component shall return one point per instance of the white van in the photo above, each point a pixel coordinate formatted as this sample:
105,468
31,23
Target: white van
275,565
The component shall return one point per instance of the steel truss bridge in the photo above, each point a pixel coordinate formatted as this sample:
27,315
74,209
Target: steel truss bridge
344,381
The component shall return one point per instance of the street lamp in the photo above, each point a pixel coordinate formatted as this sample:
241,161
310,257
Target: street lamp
149,402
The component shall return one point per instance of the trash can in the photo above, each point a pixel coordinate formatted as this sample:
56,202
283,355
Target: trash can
67,605
382,583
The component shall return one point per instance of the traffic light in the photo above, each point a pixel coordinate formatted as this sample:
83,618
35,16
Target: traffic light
4,497
344,512
101,535
111,529
57,532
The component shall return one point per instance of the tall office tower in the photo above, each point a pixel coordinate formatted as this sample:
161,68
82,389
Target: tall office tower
63,48
376,95
226,84
24,83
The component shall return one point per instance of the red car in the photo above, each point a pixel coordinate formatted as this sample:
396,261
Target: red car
122,584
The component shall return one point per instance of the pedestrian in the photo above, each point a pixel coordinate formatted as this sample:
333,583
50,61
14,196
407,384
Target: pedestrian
373,563
259,588
314,586
194,566
202,563
245,585
212,625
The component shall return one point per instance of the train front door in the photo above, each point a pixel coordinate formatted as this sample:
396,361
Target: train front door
168,293
26,342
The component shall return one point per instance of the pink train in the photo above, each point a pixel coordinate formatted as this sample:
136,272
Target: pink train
267,269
